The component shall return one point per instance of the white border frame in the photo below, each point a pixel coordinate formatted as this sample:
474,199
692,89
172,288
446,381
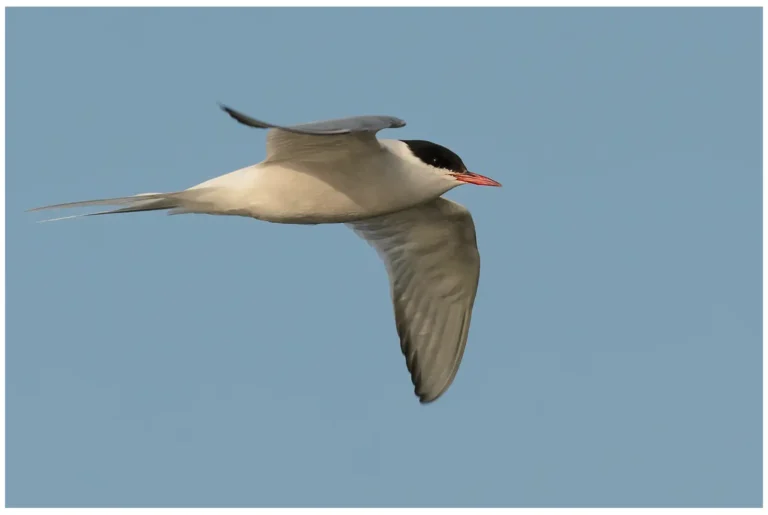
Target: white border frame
349,3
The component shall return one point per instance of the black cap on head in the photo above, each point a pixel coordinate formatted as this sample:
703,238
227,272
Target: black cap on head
435,155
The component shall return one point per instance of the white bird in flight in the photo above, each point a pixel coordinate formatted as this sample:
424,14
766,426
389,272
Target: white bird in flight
389,193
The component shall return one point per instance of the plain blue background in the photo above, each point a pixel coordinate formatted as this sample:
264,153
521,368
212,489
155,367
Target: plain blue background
615,352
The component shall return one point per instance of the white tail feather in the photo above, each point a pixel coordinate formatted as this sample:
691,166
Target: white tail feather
108,201
136,203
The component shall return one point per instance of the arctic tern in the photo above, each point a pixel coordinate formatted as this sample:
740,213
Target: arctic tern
387,191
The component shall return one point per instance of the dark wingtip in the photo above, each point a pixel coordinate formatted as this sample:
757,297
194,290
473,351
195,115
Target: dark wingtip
242,118
425,399
226,109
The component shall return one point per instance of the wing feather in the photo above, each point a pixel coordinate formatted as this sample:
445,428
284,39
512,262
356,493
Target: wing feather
338,126
356,133
341,138
431,256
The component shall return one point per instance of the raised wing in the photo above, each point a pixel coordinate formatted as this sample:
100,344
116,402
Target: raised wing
292,142
324,128
430,252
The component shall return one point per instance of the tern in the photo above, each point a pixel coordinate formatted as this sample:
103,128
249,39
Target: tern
387,191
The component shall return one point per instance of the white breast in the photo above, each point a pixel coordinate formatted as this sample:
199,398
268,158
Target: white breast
344,188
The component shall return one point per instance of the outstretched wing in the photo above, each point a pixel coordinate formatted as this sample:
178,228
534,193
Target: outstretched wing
324,128
297,141
430,252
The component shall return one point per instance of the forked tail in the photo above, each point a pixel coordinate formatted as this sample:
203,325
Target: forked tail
143,202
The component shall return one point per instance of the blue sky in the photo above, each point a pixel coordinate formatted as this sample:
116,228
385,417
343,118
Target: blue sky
615,353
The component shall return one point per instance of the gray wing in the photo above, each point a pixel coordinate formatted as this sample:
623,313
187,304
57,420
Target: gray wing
357,133
335,127
431,256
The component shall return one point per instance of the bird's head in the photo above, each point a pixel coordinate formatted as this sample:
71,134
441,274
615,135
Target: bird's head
446,162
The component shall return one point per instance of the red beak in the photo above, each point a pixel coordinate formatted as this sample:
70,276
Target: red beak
476,178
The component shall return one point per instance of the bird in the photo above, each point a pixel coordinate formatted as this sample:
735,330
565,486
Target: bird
389,192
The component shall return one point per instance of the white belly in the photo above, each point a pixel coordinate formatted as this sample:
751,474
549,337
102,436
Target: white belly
310,194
